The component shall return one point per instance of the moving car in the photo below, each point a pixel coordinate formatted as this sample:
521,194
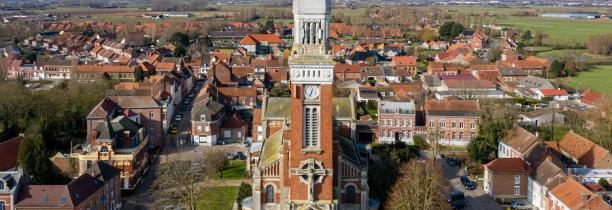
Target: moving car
457,199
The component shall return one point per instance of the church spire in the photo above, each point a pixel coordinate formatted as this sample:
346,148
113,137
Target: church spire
311,26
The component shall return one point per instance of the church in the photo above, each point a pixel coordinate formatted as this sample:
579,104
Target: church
309,160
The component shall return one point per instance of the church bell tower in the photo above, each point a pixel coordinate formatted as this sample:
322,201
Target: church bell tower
311,158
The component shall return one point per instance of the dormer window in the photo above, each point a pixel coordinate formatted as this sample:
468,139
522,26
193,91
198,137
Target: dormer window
104,149
202,117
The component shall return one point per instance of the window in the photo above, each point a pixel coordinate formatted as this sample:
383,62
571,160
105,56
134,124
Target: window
311,127
453,135
473,125
517,190
432,124
2,205
383,134
453,124
442,135
151,115
517,179
350,194
239,134
199,128
1,185
227,133
472,135
207,128
383,122
270,194
461,135
403,122
442,124
104,149
410,123
460,124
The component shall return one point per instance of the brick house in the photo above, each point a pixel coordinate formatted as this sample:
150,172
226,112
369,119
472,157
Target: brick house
505,179
236,97
347,72
511,74
146,111
260,43
405,64
452,122
584,152
570,194
516,143
233,130
97,191
122,142
206,118
397,121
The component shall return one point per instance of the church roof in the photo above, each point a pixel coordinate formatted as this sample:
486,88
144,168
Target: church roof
348,150
272,148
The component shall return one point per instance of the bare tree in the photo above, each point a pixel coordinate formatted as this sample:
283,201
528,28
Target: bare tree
419,186
179,179
215,163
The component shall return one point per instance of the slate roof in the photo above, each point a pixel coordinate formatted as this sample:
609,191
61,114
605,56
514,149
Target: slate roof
103,171
208,108
112,129
9,152
55,196
546,170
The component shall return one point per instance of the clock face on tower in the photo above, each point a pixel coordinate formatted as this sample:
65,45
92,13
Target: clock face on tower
311,92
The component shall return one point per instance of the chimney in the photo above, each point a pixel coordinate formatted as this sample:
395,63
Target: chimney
126,138
94,136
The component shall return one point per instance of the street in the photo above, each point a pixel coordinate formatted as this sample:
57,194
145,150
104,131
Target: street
476,199
177,146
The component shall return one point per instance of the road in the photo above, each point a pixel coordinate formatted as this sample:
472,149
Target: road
477,199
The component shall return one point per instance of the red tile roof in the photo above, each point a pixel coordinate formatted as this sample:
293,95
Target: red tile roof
571,193
347,68
404,61
507,165
9,151
553,92
253,39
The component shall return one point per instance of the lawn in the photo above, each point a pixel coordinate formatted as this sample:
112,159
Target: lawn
217,198
234,170
561,30
597,79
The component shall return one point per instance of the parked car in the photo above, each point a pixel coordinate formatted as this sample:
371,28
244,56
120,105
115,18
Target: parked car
246,144
520,204
174,130
240,156
457,199
452,161
467,183
178,117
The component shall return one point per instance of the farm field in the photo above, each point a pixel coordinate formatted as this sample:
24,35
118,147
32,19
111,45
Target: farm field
597,79
561,30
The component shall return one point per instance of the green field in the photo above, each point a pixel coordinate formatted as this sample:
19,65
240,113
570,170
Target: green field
217,198
561,30
597,79
579,55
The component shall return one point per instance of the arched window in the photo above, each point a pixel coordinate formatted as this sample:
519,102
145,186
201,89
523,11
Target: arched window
104,149
2,205
350,194
270,194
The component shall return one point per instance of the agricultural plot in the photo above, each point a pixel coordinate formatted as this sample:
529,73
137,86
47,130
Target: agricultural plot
597,79
561,30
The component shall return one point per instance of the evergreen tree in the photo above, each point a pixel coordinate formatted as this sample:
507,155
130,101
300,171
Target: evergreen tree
244,191
556,68
34,157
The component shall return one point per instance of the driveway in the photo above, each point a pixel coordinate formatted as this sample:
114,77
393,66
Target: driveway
477,199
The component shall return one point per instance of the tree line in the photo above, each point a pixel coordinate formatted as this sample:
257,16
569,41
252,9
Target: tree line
52,120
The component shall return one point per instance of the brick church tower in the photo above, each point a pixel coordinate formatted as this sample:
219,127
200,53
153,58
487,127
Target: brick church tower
306,165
